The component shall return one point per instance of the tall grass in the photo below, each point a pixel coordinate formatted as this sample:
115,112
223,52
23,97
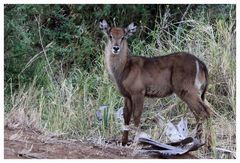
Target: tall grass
69,105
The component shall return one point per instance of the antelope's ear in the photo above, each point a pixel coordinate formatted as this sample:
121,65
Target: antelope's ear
104,27
132,28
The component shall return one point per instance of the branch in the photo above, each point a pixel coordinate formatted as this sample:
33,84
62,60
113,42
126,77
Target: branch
34,58
41,42
180,24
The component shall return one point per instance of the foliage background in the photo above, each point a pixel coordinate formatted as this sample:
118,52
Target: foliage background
55,80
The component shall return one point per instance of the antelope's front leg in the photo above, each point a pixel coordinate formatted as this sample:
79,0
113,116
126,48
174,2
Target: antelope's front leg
127,113
137,101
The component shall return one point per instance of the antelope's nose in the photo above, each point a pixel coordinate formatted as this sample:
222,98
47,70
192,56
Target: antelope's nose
115,49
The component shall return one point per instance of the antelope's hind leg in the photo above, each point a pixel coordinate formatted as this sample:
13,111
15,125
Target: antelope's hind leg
200,110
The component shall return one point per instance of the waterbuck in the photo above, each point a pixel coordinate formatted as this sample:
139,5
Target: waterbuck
136,76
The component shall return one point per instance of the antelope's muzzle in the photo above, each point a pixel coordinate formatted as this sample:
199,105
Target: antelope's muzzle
115,49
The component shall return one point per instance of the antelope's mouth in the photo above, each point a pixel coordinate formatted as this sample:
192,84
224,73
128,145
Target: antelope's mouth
115,52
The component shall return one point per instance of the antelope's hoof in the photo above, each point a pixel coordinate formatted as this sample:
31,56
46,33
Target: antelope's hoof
125,138
124,143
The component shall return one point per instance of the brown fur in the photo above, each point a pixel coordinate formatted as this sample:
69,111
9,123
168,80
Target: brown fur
136,77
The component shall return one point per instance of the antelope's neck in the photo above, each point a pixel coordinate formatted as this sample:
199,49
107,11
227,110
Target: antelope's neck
115,63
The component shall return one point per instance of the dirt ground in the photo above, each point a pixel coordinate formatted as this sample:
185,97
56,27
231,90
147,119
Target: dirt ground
27,144
19,144
30,144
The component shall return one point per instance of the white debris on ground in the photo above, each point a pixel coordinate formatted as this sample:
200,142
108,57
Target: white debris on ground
141,135
101,111
178,133
119,114
173,133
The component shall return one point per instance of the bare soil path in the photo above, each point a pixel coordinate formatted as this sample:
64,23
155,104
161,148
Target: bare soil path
19,144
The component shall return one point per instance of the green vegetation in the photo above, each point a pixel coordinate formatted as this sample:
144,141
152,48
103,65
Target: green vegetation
55,78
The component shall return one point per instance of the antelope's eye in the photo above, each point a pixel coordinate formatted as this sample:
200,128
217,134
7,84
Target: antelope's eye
110,36
122,38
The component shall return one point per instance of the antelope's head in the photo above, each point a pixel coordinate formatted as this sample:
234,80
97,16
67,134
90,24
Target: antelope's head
117,36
